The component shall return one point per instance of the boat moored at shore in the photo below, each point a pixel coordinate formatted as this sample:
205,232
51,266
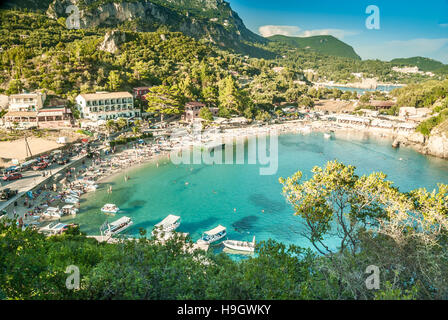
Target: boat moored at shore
169,224
245,246
214,235
117,226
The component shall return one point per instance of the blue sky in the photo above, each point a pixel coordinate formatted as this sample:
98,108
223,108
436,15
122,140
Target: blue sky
407,28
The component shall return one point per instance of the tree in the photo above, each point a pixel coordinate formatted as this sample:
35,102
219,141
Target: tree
337,202
114,81
164,100
206,114
306,101
229,97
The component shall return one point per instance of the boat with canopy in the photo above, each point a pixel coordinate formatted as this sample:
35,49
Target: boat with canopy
213,235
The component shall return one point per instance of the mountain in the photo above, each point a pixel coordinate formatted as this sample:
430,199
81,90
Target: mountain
328,45
424,64
210,20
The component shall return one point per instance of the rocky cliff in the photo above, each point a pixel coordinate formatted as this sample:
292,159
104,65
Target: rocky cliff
212,20
435,145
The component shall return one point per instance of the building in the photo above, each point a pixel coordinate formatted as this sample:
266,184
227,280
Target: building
379,104
140,92
26,102
192,110
23,109
107,105
56,115
20,119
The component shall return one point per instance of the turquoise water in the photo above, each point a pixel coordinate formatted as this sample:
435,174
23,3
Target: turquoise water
206,195
362,91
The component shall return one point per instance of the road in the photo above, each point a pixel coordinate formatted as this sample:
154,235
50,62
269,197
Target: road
33,178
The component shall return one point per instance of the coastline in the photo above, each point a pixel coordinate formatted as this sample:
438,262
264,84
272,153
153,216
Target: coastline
130,157
345,131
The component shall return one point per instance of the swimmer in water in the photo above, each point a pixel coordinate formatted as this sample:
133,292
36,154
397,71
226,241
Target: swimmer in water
186,183
262,210
234,209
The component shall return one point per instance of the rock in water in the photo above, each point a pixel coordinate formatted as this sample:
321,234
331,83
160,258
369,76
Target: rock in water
396,143
112,41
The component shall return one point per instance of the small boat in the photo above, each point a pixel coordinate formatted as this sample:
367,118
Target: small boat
327,135
110,208
69,210
213,235
118,226
52,212
53,228
169,224
245,246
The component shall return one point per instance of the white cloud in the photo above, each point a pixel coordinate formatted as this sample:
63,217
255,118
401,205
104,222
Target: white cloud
267,31
295,31
443,25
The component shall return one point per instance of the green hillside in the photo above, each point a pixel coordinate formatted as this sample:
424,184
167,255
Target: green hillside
424,64
323,44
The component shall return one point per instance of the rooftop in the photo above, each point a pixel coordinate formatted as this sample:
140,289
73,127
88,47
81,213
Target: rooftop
106,95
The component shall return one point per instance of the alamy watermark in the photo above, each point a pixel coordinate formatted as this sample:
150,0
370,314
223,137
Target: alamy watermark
207,147
73,21
72,281
373,21
373,280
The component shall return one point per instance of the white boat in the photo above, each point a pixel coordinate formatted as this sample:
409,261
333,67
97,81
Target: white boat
118,226
245,246
213,235
327,136
169,224
69,210
53,228
52,212
110,208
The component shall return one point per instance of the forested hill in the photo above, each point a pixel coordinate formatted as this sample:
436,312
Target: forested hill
424,64
212,21
323,44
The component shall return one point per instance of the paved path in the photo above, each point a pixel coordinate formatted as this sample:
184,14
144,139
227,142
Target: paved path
31,179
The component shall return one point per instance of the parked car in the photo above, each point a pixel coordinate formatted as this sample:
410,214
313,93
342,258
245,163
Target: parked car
40,166
7,193
12,176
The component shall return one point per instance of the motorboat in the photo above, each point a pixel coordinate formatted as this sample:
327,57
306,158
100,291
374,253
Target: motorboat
117,226
213,235
245,246
169,224
110,208
53,228
327,135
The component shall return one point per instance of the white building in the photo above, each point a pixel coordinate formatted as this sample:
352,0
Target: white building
107,105
24,102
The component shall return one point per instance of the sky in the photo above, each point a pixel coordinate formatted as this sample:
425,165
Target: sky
406,28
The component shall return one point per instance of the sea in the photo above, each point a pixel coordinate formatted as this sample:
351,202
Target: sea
239,198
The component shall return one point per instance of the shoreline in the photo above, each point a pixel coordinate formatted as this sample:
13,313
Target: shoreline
105,169
280,129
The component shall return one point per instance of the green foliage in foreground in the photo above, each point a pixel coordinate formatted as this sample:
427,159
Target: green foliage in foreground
404,234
